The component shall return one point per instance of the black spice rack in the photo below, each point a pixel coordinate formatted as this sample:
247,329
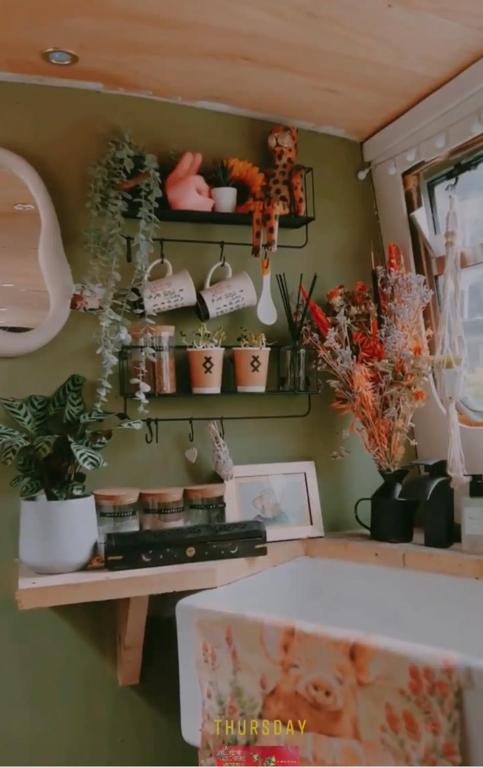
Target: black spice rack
165,214
183,391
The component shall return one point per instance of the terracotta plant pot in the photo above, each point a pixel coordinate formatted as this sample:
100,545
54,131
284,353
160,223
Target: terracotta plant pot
206,370
251,368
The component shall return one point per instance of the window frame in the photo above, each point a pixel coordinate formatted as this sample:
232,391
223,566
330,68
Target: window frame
434,128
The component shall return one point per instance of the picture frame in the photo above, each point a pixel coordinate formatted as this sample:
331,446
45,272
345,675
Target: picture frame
285,496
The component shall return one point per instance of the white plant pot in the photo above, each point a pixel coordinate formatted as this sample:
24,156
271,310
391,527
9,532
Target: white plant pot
57,536
225,199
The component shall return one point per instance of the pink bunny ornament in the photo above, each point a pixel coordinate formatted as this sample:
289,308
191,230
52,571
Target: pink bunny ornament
187,190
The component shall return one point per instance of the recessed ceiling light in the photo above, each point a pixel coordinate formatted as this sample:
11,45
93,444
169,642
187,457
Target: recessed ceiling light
3,309
59,56
7,285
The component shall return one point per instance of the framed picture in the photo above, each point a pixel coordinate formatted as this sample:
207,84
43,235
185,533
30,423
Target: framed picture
283,496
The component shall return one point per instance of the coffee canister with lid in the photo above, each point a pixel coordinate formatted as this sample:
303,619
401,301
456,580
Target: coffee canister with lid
205,503
161,508
116,511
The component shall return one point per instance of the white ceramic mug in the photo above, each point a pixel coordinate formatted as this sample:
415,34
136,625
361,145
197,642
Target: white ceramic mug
169,292
229,295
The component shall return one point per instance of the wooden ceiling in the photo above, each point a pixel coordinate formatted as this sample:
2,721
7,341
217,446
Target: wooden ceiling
348,66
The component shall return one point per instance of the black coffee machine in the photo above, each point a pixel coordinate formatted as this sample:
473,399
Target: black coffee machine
435,513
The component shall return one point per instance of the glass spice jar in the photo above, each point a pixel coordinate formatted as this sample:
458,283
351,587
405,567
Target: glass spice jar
164,365
116,512
205,504
161,508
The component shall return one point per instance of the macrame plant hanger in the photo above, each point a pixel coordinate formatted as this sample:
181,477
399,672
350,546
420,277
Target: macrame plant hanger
450,348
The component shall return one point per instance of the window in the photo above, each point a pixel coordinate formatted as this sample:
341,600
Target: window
463,179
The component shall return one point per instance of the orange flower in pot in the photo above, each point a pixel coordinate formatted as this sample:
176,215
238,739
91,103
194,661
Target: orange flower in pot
251,362
205,360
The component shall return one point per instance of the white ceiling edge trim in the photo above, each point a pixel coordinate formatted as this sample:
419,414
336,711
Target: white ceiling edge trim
212,106
462,92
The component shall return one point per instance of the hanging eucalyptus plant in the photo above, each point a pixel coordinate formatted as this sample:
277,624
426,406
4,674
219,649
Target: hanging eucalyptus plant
125,166
59,440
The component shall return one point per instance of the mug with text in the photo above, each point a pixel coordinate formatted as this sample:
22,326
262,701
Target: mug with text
172,291
233,293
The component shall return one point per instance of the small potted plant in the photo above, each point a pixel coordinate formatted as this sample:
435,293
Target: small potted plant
223,191
251,362
59,440
205,359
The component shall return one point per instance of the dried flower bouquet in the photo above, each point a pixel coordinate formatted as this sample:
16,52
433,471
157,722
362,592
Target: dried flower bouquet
375,352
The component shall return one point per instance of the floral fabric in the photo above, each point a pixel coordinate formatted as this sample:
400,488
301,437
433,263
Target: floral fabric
340,699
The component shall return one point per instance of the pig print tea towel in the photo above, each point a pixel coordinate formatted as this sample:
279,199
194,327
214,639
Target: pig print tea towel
338,699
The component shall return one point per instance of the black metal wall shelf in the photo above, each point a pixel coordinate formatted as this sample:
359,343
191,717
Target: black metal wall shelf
214,218
228,391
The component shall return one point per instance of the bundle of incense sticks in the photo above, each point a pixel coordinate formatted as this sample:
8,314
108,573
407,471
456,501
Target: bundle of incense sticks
297,315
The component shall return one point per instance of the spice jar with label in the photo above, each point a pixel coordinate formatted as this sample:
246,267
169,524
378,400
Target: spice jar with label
205,504
164,365
161,508
116,512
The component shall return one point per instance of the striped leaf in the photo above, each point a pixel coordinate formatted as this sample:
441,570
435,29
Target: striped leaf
39,408
12,434
97,440
29,486
43,445
9,449
68,398
87,458
20,412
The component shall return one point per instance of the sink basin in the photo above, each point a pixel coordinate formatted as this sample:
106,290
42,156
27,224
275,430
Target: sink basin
429,609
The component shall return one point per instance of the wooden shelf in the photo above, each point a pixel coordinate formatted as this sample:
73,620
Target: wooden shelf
358,547
46,591
131,589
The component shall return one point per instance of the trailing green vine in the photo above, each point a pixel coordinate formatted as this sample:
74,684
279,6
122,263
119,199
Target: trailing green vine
106,247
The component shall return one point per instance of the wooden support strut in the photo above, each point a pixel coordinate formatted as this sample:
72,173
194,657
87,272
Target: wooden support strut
131,623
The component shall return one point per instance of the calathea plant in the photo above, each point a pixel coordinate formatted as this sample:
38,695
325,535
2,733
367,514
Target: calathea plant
125,173
59,440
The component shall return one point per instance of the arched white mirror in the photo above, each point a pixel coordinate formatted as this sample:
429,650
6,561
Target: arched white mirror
35,278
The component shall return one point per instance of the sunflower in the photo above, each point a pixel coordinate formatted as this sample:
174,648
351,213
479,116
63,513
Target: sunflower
247,178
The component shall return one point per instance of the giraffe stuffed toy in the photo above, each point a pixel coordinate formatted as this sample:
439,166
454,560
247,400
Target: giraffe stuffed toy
283,191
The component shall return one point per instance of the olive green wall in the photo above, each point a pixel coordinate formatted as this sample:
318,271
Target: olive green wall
59,702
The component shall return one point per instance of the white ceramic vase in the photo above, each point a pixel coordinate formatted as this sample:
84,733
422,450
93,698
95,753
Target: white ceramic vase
225,199
57,536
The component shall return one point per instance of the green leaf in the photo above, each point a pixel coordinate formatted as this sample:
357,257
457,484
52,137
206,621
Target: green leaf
88,458
94,415
9,450
39,408
20,411
11,433
68,398
97,440
44,444
30,486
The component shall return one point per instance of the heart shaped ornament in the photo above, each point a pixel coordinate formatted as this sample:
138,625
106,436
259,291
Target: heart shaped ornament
191,454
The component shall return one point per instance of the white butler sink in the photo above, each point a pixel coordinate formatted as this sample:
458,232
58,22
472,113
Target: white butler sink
443,612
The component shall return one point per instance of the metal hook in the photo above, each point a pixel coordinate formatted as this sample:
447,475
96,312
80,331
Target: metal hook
222,253
156,424
191,435
161,250
149,431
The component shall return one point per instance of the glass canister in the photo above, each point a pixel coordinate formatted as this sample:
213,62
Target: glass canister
116,512
164,365
161,508
205,504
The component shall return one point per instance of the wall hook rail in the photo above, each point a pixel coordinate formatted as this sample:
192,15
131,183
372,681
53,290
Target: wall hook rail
152,422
